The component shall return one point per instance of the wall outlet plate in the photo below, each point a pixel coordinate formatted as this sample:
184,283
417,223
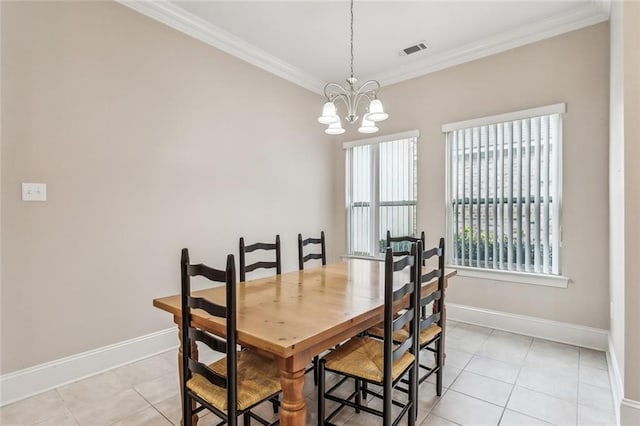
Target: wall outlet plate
34,192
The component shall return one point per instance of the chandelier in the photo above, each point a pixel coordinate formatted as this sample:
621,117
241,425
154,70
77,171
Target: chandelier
351,95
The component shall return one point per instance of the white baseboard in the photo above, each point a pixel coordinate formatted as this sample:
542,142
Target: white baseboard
629,412
33,380
615,379
556,331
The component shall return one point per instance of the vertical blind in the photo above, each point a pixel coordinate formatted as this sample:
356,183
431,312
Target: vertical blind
503,196
381,191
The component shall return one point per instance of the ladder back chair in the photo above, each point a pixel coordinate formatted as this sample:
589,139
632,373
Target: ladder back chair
381,362
302,258
244,249
400,245
233,385
432,327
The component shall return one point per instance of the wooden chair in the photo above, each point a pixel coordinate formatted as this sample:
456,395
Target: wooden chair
244,249
432,327
402,243
398,247
381,362
304,258
233,385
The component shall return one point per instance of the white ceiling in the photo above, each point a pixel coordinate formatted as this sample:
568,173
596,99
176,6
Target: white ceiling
307,42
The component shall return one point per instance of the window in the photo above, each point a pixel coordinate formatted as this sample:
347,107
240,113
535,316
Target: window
381,191
504,191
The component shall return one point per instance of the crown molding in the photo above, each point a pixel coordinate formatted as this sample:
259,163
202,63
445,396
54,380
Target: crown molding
174,16
592,13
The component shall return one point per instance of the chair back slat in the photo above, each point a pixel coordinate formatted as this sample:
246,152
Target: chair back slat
196,367
260,265
244,249
213,342
259,246
400,350
402,319
312,256
435,273
207,306
207,272
312,241
428,254
426,322
400,264
302,258
407,288
424,301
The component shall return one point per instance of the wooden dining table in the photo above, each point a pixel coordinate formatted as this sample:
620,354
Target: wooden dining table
296,315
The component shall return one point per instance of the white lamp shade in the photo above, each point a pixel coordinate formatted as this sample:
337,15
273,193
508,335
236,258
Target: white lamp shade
368,126
328,114
376,112
335,128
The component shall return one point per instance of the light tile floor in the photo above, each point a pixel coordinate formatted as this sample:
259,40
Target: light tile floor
491,377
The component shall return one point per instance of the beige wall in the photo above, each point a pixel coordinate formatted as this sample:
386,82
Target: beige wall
632,201
624,176
149,141
571,68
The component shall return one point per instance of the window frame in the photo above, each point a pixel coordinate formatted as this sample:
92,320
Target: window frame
374,142
544,279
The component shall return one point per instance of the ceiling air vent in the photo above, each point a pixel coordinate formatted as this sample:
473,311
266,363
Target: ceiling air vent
421,45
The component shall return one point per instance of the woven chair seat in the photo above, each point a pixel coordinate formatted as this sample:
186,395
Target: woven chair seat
363,357
257,380
429,333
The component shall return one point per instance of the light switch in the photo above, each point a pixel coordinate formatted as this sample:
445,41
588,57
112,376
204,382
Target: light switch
34,192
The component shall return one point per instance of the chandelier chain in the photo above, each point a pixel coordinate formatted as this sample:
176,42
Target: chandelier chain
351,38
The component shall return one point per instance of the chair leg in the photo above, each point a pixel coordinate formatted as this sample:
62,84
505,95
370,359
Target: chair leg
246,419
187,411
275,401
364,390
412,414
321,392
387,404
358,383
439,366
315,370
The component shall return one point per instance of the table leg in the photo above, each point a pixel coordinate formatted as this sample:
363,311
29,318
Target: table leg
194,354
293,410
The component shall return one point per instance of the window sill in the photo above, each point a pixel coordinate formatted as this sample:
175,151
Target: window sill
355,256
557,281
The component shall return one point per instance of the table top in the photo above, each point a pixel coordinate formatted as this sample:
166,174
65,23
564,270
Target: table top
295,311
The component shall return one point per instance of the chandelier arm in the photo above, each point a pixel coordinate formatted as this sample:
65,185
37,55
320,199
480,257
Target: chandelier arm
339,90
369,83
343,97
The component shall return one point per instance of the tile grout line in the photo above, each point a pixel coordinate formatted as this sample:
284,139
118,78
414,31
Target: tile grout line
67,408
153,406
515,381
